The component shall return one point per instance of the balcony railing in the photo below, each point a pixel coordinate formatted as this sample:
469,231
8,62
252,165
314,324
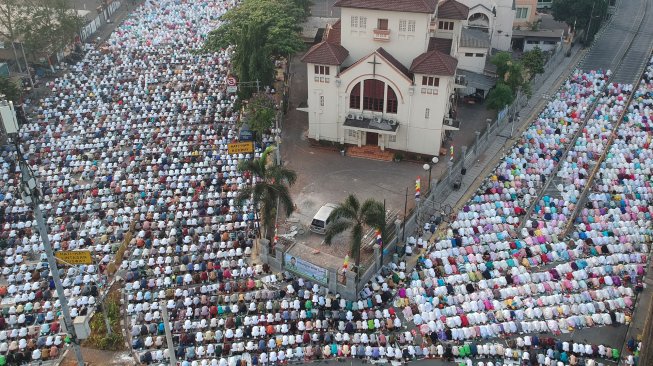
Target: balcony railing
382,34
433,26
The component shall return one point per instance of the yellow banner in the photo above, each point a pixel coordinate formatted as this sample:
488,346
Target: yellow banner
75,257
241,147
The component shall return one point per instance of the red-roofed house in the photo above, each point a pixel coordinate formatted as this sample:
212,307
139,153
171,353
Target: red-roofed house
384,74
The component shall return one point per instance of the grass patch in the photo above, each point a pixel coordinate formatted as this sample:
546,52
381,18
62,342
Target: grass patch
99,338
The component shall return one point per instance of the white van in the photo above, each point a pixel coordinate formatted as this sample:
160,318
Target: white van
321,218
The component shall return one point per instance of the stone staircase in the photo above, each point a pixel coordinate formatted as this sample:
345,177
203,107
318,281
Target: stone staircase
370,152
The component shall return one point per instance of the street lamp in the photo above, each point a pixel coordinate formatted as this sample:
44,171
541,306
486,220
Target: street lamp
429,167
277,140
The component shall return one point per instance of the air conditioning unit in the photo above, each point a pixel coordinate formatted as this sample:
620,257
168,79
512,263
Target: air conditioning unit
392,122
377,119
359,117
351,116
448,121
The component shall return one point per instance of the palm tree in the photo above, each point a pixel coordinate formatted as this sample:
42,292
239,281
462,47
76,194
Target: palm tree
351,215
270,188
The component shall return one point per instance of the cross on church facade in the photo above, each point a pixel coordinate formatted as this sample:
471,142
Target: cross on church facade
374,63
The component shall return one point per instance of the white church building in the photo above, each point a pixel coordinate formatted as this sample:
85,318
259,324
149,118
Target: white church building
385,74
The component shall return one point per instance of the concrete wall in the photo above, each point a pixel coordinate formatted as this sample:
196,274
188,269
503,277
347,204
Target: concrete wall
472,63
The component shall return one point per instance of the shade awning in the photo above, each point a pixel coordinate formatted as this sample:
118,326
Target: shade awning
387,126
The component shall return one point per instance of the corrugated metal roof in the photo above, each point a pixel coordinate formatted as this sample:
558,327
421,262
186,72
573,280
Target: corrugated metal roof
474,38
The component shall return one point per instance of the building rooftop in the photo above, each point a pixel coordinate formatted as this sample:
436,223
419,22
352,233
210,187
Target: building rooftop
326,53
383,53
542,33
333,33
474,38
434,63
451,9
409,6
440,44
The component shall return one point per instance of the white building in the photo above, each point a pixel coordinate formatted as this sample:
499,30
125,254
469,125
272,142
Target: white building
494,17
385,74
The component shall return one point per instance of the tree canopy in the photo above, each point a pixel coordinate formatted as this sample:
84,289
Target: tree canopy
270,184
499,97
259,30
577,14
533,61
45,26
260,114
351,215
10,89
512,73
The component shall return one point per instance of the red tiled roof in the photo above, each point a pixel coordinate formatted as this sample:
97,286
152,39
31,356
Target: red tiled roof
440,44
332,34
326,53
434,63
451,9
383,53
410,6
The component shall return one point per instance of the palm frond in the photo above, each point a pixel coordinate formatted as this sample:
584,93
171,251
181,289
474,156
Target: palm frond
281,174
336,227
283,194
244,194
356,242
352,201
373,213
342,211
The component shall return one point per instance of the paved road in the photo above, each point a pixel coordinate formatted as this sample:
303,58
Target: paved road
625,45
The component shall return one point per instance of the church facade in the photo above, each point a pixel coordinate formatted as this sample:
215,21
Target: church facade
385,74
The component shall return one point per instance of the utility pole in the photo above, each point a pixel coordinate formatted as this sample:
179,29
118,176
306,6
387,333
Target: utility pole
589,24
32,196
166,326
29,75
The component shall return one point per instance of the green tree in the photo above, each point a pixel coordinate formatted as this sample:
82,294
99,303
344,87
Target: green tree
259,30
502,61
533,61
271,184
12,14
512,73
499,97
10,89
260,114
52,25
351,215
577,14
304,5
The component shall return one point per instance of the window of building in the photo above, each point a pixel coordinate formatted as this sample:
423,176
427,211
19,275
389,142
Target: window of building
550,42
321,70
444,25
480,55
430,81
382,24
355,97
427,113
411,26
532,42
353,133
358,22
522,13
392,138
393,103
373,95
354,22
407,26
469,54
321,100
377,96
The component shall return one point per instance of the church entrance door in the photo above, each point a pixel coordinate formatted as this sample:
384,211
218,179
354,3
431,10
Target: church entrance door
372,138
